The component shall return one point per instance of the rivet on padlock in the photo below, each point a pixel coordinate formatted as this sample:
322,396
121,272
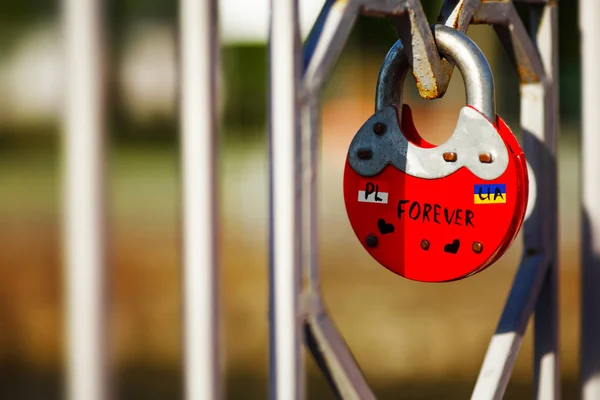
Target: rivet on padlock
450,156
379,128
436,213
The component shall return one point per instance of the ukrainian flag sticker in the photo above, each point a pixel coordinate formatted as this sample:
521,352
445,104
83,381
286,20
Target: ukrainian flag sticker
490,194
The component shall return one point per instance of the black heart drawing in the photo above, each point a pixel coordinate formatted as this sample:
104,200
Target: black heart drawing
384,227
452,247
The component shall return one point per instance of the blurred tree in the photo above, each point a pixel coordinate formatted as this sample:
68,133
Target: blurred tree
569,61
245,66
143,9
120,15
18,12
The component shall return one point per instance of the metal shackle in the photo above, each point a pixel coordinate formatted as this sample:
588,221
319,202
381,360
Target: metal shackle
458,48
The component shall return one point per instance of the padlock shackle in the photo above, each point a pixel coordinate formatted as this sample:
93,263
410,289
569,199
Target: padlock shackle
457,47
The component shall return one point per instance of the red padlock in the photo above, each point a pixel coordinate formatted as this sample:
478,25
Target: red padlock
436,213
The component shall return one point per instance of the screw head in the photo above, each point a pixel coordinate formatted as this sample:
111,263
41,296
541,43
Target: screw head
379,128
450,157
486,158
477,247
364,154
425,244
371,241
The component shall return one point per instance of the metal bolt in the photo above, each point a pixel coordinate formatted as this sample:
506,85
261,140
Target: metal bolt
364,154
486,158
371,241
379,128
477,247
425,244
450,157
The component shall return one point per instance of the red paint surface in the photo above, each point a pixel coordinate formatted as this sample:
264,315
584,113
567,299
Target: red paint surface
495,225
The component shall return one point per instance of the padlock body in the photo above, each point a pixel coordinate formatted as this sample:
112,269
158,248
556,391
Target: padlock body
436,230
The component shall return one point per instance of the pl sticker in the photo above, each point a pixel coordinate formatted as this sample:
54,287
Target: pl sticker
373,192
490,194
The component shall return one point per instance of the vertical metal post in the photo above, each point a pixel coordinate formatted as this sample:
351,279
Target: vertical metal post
286,367
589,12
84,201
536,282
321,50
545,111
199,49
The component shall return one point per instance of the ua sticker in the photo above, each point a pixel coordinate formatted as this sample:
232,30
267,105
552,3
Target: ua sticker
373,192
490,194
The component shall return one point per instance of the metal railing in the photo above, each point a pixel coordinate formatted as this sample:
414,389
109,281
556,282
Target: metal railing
298,314
88,375
533,50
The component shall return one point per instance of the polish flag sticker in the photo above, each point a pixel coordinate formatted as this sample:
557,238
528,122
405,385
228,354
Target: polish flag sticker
373,192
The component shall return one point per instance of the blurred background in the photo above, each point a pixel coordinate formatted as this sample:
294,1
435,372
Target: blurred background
413,340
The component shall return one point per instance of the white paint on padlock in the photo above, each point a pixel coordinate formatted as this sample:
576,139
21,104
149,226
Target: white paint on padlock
532,191
473,135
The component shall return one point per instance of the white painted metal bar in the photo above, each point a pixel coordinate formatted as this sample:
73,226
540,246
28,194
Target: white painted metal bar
544,28
199,50
504,347
535,284
286,366
332,354
84,202
589,13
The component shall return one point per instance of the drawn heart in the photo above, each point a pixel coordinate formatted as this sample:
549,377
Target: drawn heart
384,227
452,247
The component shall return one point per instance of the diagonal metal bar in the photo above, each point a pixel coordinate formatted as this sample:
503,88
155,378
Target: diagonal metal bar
503,348
520,48
514,38
332,354
309,45
324,45
493,12
430,71
458,14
